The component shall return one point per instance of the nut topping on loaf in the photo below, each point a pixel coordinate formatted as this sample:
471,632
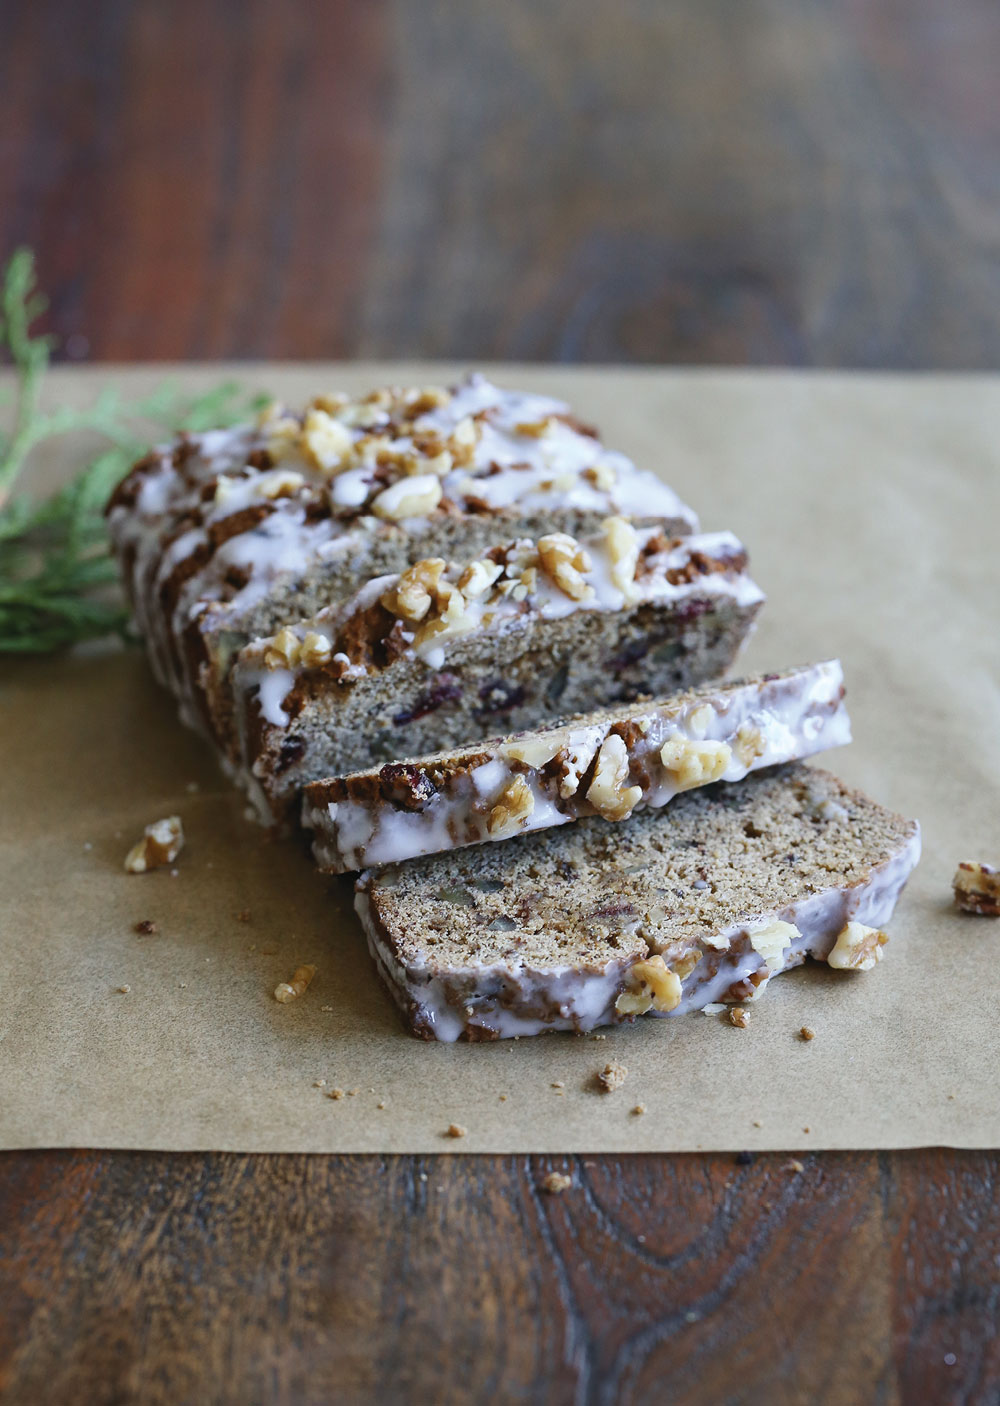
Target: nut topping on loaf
607,763
230,534
527,630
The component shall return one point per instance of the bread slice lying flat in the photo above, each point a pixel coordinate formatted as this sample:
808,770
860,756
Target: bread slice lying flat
609,763
445,654
593,924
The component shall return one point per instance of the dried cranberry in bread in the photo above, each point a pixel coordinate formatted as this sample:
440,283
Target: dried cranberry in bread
441,654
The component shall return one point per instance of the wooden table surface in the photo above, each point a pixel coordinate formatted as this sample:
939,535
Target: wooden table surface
806,182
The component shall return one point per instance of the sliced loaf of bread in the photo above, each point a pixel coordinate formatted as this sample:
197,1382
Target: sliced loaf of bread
610,763
591,924
230,534
437,656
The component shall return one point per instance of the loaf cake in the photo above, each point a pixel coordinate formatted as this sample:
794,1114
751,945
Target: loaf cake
593,924
442,653
610,763
229,535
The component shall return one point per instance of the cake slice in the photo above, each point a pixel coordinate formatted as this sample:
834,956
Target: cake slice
591,925
441,654
609,763
230,534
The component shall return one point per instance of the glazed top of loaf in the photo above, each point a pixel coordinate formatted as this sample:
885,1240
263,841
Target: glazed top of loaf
393,457
420,613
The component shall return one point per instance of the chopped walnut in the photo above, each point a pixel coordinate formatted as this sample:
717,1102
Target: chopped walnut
749,744
623,549
563,560
692,763
556,1182
283,650
770,940
737,1016
409,497
977,889
612,1076
412,595
326,441
609,793
282,483
514,806
290,990
161,843
699,721
601,476
454,618
314,650
462,442
858,948
478,577
530,751
653,987
534,429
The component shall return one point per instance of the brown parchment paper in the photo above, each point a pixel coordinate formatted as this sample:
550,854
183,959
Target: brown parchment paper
871,506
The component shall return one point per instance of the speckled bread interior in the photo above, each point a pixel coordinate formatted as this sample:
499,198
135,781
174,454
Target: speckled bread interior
485,923
508,681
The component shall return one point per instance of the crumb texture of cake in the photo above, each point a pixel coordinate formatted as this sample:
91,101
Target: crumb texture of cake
229,534
444,652
592,925
610,763
977,889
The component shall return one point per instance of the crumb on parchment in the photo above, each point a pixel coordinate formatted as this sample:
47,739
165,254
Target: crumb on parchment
612,1076
290,990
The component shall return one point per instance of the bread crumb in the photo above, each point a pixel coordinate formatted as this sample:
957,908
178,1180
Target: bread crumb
739,1017
598,1037
794,1166
455,1130
124,990
382,1104
351,1093
806,1034
977,889
326,1008
558,1084
805,1130
145,927
289,990
757,1123
639,1109
555,1182
612,1076
503,1098
319,1083
161,843
336,1093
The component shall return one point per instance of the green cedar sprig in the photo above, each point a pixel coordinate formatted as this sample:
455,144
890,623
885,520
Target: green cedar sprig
57,580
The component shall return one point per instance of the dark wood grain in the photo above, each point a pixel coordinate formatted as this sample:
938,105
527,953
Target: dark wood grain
808,182
812,182
299,1280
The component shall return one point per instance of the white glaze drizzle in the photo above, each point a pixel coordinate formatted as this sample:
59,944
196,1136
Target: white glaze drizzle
585,998
796,715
